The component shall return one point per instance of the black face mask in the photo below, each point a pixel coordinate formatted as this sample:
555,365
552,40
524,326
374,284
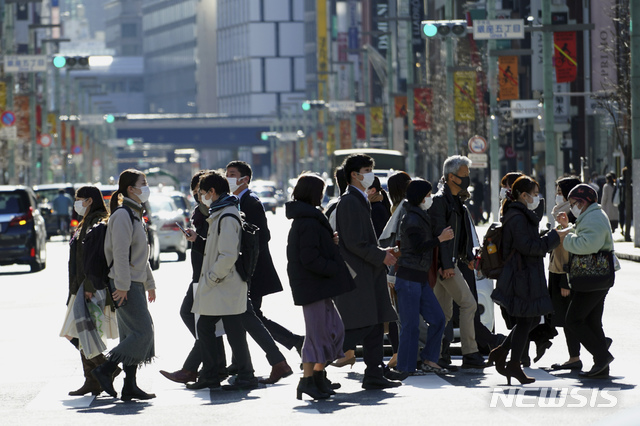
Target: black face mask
465,181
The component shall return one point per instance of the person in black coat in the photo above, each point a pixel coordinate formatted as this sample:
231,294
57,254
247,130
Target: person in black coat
522,287
316,274
380,206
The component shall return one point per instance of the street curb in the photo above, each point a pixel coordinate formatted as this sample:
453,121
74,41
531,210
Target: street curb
628,256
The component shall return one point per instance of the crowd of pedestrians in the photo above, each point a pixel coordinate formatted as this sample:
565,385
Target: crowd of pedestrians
370,263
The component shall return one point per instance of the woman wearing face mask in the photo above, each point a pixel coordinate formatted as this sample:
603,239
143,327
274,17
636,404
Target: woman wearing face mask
130,276
415,296
90,205
380,206
522,288
591,234
558,283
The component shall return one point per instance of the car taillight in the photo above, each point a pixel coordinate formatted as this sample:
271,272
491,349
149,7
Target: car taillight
170,226
33,252
22,219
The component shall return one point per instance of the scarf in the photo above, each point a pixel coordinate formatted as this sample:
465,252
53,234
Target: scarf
390,232
225,200
138,208
90,322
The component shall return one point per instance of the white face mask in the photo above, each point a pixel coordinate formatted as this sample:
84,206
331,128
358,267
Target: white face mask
233,184
576,210
79,208
368,179
536,202
426,203
503,193
559,199
144,196
206,201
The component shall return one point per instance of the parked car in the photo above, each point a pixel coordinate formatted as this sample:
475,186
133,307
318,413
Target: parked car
268,198
23,234
45,194
167,216
152,230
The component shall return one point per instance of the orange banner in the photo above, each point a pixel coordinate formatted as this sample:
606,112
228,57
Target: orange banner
565,58
401,106
345,134
508,78
422,97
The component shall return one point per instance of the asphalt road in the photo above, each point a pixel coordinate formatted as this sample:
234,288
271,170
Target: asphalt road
38,368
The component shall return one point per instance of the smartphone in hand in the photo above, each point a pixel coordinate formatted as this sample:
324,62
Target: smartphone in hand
184,231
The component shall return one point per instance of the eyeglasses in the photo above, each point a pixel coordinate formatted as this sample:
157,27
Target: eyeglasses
572,204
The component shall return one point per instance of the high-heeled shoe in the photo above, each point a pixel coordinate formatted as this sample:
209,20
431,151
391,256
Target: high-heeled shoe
307,385
344,361
498,357
541,348
513,369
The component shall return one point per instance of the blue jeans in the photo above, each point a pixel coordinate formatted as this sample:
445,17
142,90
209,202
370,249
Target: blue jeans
414,300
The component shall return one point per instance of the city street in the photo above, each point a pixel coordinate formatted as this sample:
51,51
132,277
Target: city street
38,368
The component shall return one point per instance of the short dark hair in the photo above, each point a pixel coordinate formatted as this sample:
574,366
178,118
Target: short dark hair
309,189
341,180
243,167
196,179
397,184
417,190
60,191
509,178
215,180
355,163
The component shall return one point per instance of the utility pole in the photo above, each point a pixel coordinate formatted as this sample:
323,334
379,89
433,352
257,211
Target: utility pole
33,176
367,96
635,116
549,121
410,109
494,143
451,140
8,47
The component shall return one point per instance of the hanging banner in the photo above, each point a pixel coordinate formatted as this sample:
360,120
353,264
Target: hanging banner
377,120
21,109
331,139
361,132
464,95
603,66
3,95
323,48
51,122
401,106
565,57
38,120
508,78
63,135
398,134
345,134
422,97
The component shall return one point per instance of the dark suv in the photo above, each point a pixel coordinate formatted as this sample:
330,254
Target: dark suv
23,235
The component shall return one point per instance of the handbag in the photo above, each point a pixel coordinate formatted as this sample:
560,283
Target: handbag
591,272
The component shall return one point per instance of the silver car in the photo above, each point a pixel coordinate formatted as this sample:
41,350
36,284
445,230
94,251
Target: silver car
167,216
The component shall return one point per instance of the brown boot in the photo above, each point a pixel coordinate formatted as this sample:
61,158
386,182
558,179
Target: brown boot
278,371
90,383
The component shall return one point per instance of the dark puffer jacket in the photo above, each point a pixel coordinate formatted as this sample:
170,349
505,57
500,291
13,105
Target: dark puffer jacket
417,244
315,267
522,287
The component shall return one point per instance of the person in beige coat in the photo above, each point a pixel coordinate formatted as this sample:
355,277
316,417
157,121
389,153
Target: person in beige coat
220,292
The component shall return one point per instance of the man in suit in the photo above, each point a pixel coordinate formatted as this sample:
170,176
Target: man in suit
365,309
265,279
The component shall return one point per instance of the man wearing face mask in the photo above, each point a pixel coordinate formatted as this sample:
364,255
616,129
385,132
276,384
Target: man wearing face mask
264,281
449,211
365,309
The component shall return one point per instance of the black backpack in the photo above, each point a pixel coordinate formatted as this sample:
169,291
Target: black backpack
95,263
249,247
491,259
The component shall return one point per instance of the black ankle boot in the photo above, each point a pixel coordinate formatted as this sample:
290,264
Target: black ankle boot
130,390
513,369
319,378
308,385
104,375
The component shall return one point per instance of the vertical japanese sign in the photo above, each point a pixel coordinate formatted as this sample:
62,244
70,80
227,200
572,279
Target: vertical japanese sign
508,78
377,120
331,139
21,108
422,97
323,47
353,36
361,132
400,106
464,95
343,46
51,120
565,57
3,95
345,134
63,134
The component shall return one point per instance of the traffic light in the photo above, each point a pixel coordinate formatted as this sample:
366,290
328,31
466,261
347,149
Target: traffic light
130,141
444,29
312,104
264,136
109,118
71,62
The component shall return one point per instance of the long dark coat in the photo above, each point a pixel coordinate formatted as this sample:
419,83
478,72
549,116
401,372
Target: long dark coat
369,303
265,279
522,286
315,267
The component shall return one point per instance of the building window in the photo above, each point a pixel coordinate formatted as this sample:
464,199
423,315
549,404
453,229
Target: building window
129,30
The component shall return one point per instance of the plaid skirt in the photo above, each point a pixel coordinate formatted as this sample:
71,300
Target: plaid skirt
135,327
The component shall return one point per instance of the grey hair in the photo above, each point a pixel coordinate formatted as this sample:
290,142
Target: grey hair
453,164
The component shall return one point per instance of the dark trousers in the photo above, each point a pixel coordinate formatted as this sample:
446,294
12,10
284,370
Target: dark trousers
280,334
258,332
209,346
518,338
560,307
371,338
584,319
194,359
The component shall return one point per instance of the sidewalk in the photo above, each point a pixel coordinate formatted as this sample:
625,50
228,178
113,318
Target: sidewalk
625,250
